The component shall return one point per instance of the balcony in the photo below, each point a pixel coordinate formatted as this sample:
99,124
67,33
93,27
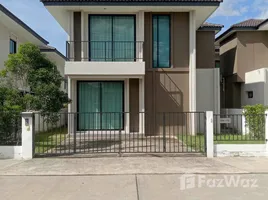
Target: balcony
105,58
104,51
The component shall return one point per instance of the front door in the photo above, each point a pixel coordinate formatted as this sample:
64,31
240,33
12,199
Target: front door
100,105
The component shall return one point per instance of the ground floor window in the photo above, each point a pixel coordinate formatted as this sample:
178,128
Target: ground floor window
100,105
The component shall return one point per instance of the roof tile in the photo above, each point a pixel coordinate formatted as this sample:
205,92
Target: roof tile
254,23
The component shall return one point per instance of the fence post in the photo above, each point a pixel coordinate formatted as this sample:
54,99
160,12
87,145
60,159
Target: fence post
74,130
120,143
266,130
164,132
209,134
27,135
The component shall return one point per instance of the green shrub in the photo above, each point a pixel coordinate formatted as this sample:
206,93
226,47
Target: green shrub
255,120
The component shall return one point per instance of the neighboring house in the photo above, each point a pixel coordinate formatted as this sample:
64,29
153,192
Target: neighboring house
243,54
138,56
14,32
217,56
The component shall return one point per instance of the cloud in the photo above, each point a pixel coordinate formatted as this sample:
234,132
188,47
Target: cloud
261,7
231,8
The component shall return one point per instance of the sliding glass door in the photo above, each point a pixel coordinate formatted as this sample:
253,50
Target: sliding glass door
100,105
112,37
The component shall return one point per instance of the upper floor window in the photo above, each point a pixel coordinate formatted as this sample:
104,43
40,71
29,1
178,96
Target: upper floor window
12,46
112,38
161,41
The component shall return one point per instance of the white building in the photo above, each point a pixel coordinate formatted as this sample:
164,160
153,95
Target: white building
14,32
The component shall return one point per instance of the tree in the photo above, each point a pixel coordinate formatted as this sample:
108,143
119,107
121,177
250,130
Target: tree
32,76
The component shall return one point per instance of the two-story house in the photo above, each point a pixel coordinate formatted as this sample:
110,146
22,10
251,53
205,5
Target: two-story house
244,63
137,57
14,32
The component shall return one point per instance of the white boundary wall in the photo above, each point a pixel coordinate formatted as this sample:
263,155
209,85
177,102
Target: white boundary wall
26,150
221,150
14,152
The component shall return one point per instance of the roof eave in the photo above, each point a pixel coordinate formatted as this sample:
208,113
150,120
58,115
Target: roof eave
22,24
233,30
56,3
53,51
215,29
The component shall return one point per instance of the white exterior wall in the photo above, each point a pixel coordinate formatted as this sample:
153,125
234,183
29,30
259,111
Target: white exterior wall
257,82
208,90
5,36
207,93
59,62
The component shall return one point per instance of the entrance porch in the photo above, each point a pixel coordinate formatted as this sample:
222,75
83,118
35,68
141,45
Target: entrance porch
106,104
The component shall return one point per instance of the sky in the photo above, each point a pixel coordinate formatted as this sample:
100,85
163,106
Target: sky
35,15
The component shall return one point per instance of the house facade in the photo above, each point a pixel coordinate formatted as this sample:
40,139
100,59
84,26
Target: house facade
14,32
243,62
139,58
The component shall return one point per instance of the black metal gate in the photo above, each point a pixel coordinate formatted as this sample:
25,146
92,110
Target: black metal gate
168,133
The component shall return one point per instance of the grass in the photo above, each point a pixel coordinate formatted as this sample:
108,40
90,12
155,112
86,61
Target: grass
197,142
45,141
236,139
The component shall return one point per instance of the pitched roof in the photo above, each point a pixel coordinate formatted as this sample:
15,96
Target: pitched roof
250,24
21,23
53,2
211,25
48,48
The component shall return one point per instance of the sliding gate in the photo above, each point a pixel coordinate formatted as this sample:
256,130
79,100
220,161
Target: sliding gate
65,134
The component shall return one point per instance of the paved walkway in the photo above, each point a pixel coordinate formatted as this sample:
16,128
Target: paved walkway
133,165
135,178
130,187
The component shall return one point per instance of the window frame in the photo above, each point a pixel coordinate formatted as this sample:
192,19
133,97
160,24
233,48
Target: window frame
112,17
169,16
100,82
14,43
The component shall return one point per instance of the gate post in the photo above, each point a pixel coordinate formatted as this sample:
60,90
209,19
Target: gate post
27,135
209,134
266,130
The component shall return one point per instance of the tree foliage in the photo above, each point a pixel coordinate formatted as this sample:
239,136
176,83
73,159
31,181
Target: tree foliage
30,81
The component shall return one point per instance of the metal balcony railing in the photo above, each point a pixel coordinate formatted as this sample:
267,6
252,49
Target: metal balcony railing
104,51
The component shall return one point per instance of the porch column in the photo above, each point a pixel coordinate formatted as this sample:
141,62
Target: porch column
192,68
69,93
71,34
141,106
83,44
70,109
127,114
140,36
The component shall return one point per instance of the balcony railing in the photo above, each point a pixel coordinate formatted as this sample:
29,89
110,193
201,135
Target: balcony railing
104,51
